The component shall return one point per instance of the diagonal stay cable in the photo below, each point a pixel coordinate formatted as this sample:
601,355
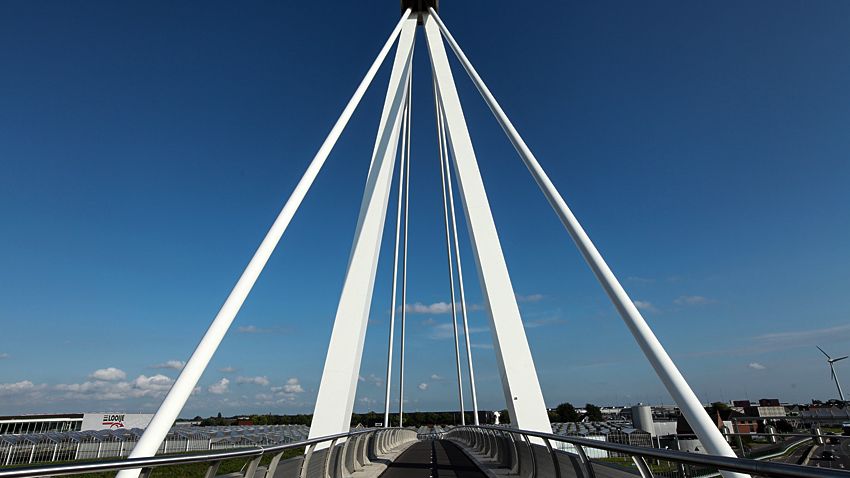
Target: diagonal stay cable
443,158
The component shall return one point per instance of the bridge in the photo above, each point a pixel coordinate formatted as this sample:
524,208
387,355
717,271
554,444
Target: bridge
528,448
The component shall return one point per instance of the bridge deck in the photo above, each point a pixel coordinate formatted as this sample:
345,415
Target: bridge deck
432,458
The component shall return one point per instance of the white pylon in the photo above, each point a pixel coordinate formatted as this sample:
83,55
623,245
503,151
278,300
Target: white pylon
705,429
520,385
179,393
335,400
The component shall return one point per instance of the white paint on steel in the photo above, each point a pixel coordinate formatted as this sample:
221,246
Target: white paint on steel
335,400
443,159
404,261
197,363
516,365
448,170
705,429
389,380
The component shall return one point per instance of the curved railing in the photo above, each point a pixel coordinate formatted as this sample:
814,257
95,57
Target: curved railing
330,456
533,454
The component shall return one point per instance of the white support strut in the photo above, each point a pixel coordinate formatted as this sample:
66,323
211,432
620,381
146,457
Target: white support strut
197,363
404,262
335,399
521,387
463,310
705,429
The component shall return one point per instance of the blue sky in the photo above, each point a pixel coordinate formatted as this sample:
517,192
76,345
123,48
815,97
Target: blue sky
146,148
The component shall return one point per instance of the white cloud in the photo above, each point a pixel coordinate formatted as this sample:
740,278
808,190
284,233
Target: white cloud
640,280
367,400
529,298
24,386
435,308
227,369
109,374
170,364
423,386
373,379
293,386
645,305
692,300
531,324
142,386
248,329
434,376
806,337
4,355
219,387
445,330
289,390
253,329
154,383
261,381
756,366
481,346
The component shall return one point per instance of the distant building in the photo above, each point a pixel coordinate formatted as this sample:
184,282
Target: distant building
24,424
765,411
766,408
69,422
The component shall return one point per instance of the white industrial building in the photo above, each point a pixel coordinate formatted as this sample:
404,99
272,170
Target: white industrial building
72,422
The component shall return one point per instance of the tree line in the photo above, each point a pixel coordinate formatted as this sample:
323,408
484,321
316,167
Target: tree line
564,412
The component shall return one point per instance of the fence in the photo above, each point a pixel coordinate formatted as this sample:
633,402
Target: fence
84,445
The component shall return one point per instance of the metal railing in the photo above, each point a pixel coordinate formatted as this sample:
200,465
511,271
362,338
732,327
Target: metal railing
533,454
344,454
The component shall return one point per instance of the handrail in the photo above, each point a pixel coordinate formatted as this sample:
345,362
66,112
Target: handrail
154,461
744,465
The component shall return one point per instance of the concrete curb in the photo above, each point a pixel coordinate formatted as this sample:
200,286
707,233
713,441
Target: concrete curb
374,469
809,455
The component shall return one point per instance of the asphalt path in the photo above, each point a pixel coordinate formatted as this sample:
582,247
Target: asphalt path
796,456
432,459
840,450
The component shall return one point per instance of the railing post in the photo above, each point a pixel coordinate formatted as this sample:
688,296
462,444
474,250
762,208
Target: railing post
555,462
533,457
339,468
585,461
643,467
253,465
306,463
212,469
364,451
330,452
514,454
273,465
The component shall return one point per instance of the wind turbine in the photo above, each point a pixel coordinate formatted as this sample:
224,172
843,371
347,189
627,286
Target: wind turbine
831,361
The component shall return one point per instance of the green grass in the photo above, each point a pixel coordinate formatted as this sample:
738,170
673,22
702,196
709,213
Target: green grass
660,467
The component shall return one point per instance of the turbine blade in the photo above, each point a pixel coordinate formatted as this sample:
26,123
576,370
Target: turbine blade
821,350
840,358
